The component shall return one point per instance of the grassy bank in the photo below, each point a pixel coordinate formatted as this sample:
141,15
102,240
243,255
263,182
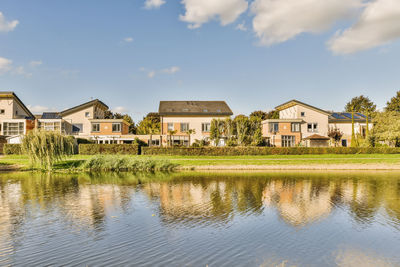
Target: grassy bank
334,161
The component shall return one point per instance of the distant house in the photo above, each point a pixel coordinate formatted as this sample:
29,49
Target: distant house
15,118
180,116
303,124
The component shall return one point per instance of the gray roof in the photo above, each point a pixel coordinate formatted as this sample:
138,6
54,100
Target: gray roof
346,117
51,115
198,108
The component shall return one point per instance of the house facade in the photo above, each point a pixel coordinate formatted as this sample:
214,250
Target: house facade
177,117
303,124
15,117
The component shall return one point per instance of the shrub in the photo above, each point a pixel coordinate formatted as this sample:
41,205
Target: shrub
125,163
12,149
93,149
241,151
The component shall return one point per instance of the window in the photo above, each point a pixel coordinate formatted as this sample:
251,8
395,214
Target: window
205,127
218,110
95,127
2,111
185,110
295,127
16,112
184,127
116,127
288,140
13,128
274,127
50,126
344,142
170,126
77,128
205,110
312,127
87,114
303,114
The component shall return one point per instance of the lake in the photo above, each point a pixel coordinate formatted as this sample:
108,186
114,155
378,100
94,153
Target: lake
199,219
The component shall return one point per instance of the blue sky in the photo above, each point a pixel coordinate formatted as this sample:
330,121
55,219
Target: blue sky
57,54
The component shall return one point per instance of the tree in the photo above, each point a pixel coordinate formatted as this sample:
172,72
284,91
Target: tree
216,130
170,134
273,114
257,138
387,127
361,104
259,114
242,129
335,134
394,103
149,123
108,114
189,133
45,148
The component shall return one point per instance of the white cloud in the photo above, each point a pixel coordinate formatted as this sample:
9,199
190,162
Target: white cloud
150,4
277,21
378,24
120,109
35,63
171,70
151,74
40,109
21,71
5,65
128,39
199,12
7,26
241,27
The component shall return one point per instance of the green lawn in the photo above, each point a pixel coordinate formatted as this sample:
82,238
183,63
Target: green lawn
77,160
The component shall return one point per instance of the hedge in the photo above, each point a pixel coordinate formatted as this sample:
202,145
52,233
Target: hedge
12,149
242,151
94,149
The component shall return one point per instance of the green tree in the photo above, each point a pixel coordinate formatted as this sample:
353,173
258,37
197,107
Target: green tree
171,133
361,104
394,103
189,133
110,115
216,130
387,127
273,114
335,134
257,138
259,114
242,129
45,148
150,123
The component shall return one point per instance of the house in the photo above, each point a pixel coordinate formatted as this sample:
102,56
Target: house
15,118
302,124
109,131
53,121
178,117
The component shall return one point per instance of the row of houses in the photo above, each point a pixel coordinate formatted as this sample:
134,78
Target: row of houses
298,123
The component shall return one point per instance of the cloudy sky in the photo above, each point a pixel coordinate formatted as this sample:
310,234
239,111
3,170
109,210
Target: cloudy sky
255,54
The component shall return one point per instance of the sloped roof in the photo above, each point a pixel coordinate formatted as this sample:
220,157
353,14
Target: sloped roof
295,102
9,94
206,108
83,106
316,137
346,117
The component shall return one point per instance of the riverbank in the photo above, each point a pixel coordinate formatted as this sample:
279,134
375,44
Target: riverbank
270,162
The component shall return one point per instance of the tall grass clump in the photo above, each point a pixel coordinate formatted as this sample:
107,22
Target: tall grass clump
45,148
126,163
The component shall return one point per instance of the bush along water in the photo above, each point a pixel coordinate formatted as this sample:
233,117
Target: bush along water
125,163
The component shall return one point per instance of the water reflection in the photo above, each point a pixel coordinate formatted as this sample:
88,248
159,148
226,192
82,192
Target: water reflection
90,203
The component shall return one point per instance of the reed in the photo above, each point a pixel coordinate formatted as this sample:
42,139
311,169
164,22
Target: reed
126,163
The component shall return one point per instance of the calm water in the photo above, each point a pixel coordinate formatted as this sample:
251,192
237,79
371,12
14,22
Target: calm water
199,219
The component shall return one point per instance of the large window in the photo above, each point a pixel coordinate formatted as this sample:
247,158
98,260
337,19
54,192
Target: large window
205,127
95,127
77,128
288,140
13,128
312,127
116,127
295,127
170,126
50,126
274,127
184,127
